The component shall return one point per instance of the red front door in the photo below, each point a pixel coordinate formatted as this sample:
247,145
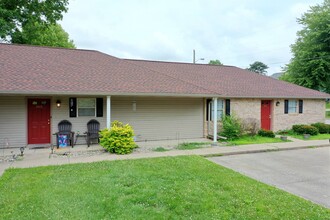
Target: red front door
38,121
265,114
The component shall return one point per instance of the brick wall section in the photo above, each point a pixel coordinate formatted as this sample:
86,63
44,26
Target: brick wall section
314,111
246,108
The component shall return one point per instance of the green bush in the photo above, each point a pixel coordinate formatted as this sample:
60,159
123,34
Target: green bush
231,127
305,129
323,128
266,133
298,129
118,139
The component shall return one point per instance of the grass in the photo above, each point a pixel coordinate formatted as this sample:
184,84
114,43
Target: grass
186,187
312,137
327,106
160,149
191,146
247,139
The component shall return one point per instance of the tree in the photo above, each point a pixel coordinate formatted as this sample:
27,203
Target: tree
310,65
15,15
37,34
215,62
258,67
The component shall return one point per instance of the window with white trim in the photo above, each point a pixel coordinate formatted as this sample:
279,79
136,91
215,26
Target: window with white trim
86,106
220,106
293,106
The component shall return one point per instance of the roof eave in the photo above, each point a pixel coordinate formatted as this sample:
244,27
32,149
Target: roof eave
52,93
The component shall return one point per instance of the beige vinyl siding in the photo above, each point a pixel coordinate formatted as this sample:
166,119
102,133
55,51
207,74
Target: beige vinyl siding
154,119
160,118
13,121
78,123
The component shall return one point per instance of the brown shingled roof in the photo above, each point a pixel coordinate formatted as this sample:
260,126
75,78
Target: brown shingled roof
230,81
43,70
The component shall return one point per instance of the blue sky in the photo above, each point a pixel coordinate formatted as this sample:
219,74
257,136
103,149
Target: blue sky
237,32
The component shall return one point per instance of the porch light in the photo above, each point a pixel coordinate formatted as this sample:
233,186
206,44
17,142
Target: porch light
277,103
22,150
58,103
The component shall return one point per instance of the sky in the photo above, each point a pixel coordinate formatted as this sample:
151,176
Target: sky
236,32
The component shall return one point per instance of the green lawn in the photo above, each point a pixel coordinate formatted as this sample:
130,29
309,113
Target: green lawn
186,187
327,114
247,139
314,137
327,105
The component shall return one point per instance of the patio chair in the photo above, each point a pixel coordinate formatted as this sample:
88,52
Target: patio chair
64,135
93,128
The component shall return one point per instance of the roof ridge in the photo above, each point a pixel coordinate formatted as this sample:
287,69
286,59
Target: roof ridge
173,77
47,47
160,61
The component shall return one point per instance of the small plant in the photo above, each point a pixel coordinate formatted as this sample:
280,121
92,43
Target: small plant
250,126
118,139
231,127
284,132
266,133
305,129
160,149
323,128
191,146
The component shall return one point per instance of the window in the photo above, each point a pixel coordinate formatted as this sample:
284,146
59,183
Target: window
292,106
219,110
86,106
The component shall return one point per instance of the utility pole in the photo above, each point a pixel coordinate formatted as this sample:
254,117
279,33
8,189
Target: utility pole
194,57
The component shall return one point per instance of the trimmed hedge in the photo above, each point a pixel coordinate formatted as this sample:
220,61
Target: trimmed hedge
266,133
323,128
305,129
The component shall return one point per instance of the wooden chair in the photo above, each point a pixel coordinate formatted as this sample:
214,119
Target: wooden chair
93,128
64,128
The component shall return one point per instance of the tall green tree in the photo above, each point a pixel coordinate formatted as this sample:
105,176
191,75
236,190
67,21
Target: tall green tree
258,67
310,65
37,34
215,62
17,16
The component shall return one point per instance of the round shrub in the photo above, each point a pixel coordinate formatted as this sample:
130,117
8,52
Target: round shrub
298,129
323,128
266,133
118,139
305,129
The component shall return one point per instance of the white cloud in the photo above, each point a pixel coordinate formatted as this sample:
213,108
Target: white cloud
237,32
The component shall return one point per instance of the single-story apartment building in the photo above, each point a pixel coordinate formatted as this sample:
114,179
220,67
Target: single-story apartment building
41,86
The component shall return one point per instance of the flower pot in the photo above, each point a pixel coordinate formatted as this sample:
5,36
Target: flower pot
307,136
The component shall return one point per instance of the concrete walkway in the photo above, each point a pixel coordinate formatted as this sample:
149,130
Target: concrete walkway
82,154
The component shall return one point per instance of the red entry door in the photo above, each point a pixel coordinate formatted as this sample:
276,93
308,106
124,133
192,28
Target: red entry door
38,121
265,114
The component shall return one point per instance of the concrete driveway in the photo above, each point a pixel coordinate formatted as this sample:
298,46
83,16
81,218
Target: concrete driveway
304,172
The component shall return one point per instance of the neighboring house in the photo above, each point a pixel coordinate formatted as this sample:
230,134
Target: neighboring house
277,75
161,100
